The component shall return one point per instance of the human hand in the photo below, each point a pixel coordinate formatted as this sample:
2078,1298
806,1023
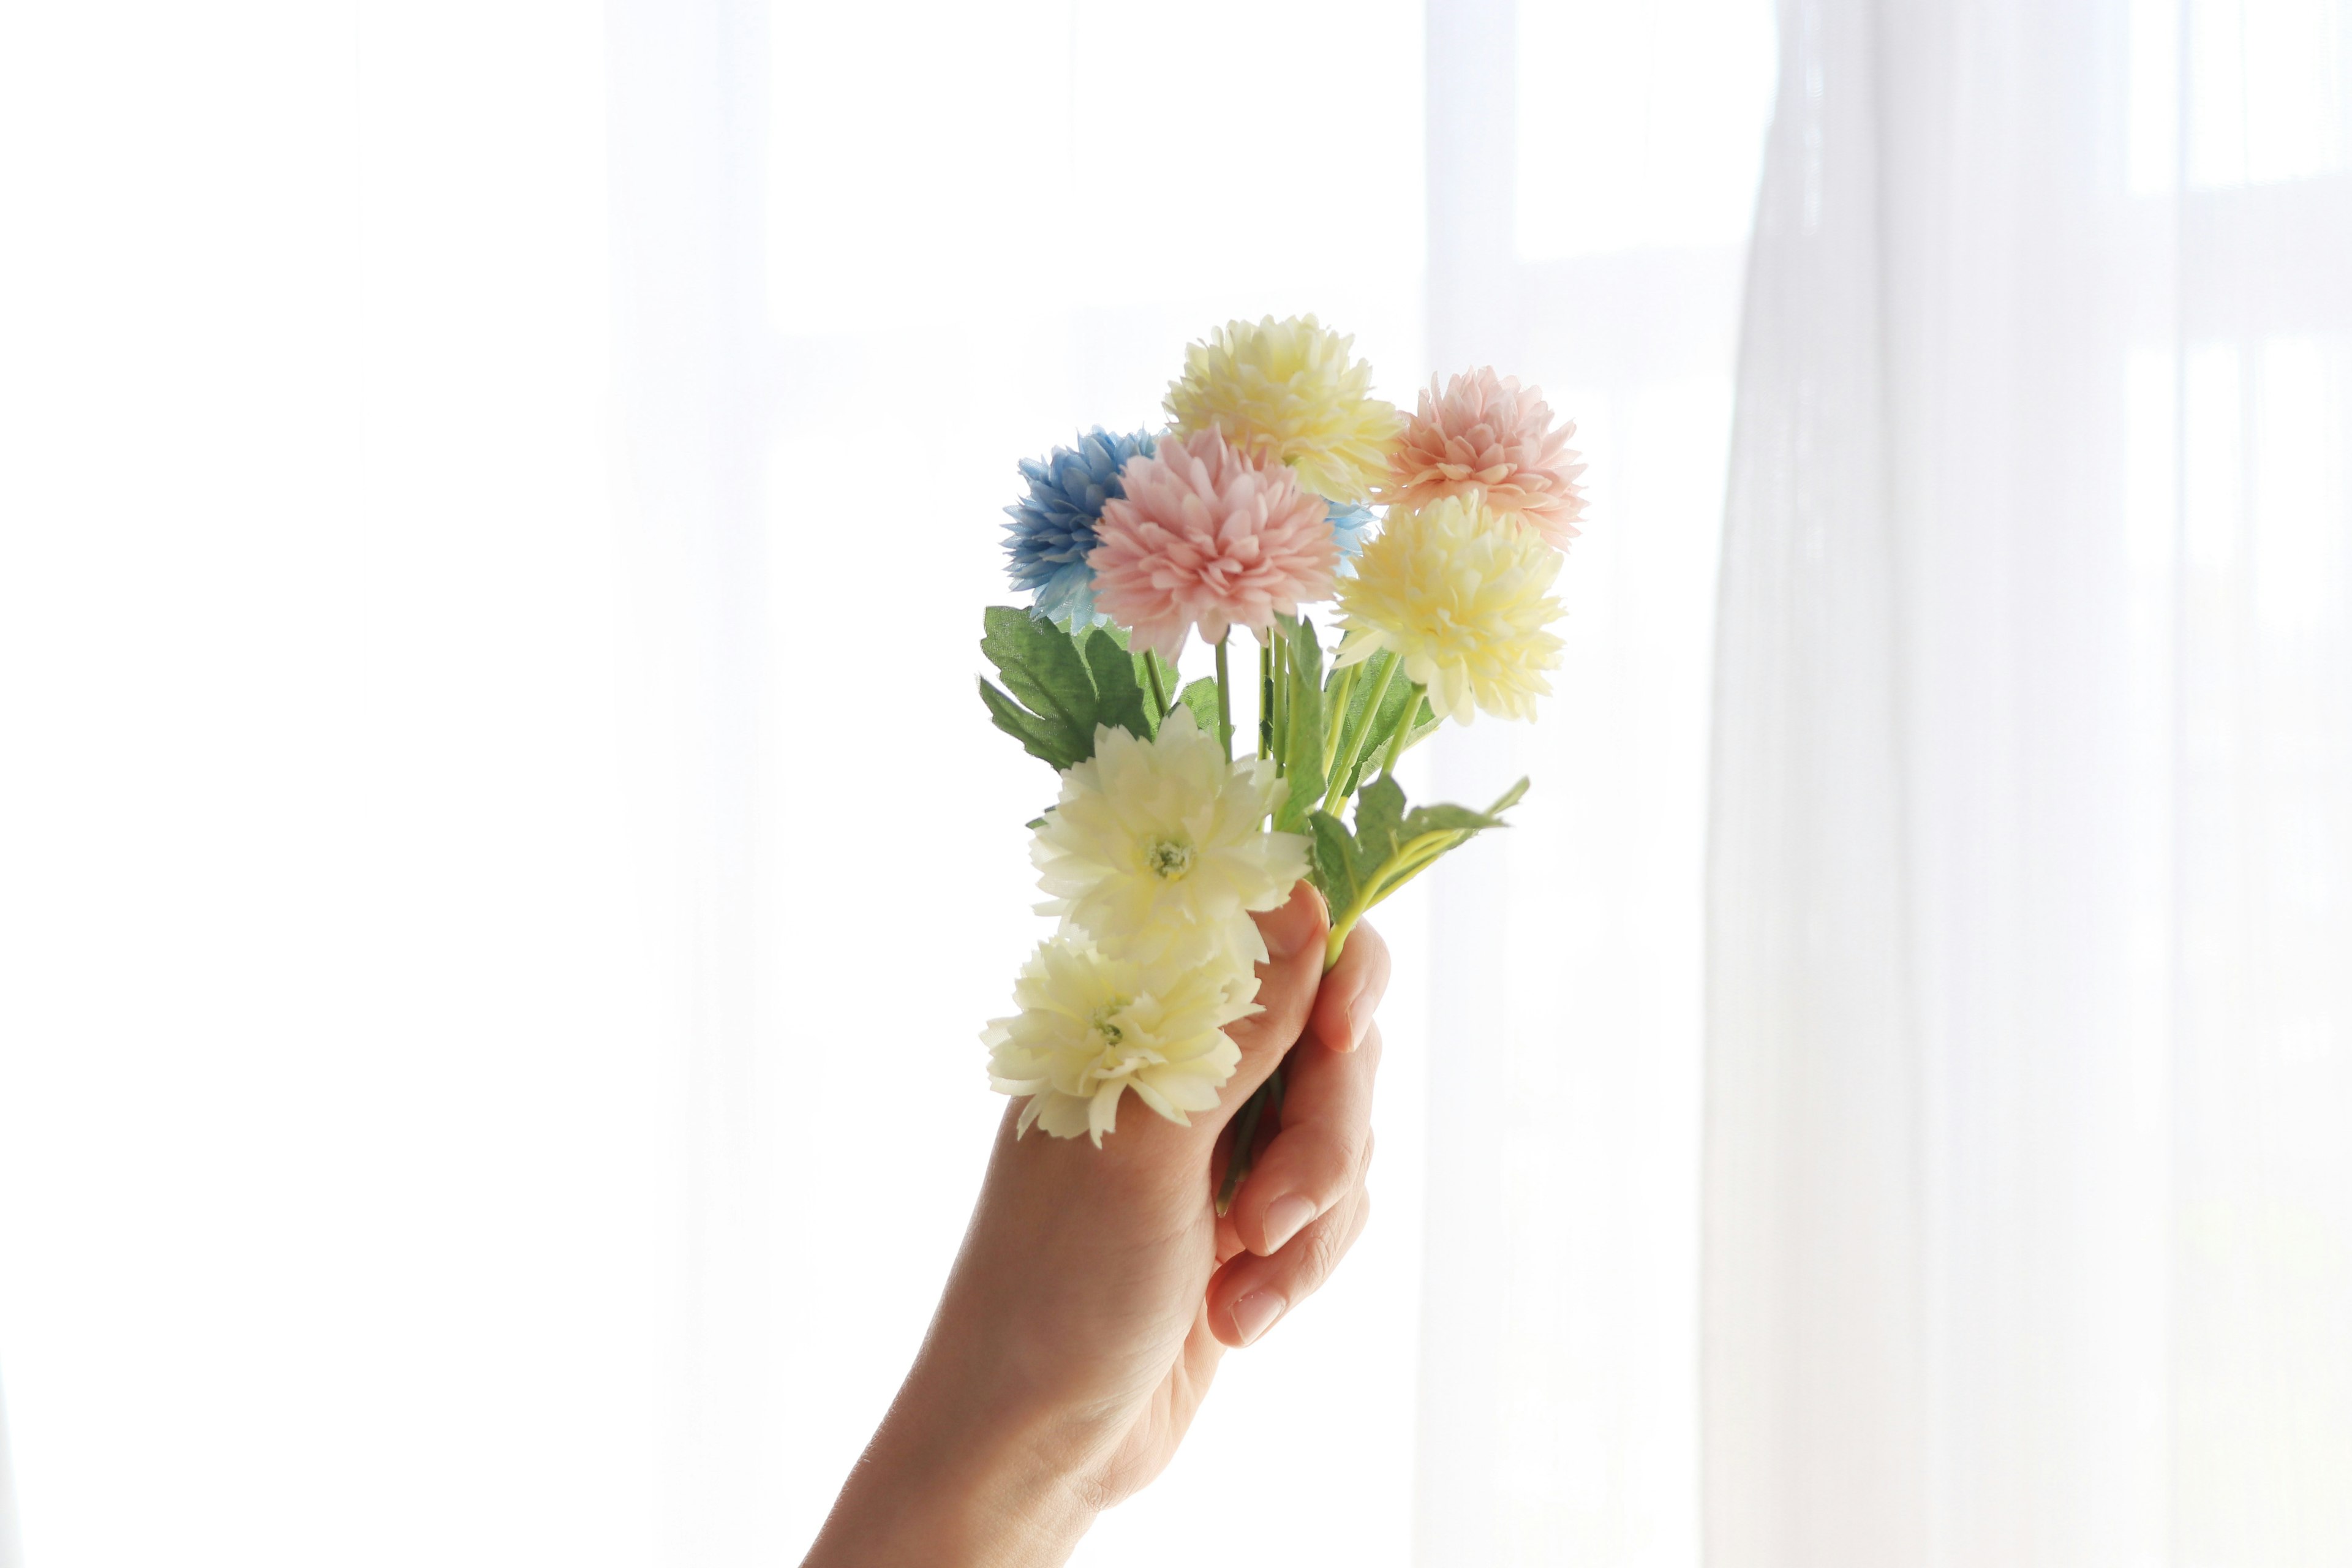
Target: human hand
1096,1288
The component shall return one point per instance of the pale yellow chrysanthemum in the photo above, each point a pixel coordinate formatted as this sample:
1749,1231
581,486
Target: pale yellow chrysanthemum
1158,848
1459,594
1286,391
1092,1027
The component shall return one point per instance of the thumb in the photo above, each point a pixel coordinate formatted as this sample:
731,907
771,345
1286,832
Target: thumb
1287,980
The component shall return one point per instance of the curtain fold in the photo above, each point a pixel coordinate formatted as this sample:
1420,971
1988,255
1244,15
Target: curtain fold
1811,1348
2032,806
11,1553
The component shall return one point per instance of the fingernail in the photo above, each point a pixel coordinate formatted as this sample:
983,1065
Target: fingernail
1359,1018
1256,1312
1294,925
1285,1218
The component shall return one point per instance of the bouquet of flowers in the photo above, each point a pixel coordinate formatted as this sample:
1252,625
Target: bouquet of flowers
1281,482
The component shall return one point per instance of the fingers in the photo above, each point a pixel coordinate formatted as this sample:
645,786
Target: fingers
1343,1007
1321,1151
1251,1294
1324,1139
1295,935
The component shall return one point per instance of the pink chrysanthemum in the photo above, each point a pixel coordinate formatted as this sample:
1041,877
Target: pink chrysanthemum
1206,537
1487,433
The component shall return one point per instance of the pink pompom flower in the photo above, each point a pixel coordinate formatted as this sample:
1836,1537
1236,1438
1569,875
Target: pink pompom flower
1488,434
1207,538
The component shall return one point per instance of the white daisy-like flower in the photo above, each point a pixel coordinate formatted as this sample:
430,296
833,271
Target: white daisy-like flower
1093,1027
1158,849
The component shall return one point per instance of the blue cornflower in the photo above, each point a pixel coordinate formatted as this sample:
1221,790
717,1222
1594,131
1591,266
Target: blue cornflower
1053,528
1351,525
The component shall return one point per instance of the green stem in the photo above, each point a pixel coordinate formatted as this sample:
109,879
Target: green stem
1351,749
1410,861
1398,741
1242,1153
1224,698
1336,715
1278,702
1159,691
1265,698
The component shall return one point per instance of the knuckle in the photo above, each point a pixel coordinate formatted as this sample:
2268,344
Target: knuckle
1329,1244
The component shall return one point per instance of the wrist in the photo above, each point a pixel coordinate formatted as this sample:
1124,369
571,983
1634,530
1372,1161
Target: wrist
952,1482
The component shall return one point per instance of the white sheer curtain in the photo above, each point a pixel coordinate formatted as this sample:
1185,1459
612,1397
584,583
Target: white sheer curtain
1592,182
339,1065
2028,1205
10,1551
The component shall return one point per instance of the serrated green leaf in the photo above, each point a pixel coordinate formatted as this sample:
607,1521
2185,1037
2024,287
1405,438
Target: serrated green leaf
1201,697
1302,741
1443,819
1379,811
1041,664
1058,687
1427,819
1335,861
1053,744
1119,701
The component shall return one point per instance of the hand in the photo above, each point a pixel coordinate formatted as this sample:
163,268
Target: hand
1096,1288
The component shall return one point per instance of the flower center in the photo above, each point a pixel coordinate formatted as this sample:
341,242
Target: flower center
1169,858
1105,1023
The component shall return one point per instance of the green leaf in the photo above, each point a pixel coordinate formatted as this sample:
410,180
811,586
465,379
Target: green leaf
1390,845
1052,743
1041,667
1058,688
1396,705
1459,818
1302,744
1393,706
1201,697
1118,699
1444,819
1379,811
1335,861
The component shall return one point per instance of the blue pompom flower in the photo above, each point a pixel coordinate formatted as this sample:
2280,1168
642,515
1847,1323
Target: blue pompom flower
1351,526
1052,527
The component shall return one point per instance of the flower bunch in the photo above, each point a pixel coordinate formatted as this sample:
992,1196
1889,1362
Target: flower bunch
1280,483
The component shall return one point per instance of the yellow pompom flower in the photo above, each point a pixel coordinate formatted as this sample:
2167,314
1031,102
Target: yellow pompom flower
1092,1027
1286,391
1460,595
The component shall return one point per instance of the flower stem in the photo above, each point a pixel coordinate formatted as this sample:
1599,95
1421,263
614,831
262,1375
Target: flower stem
1266,698
1336,715
1410,860
1398,741
1244,1154
1351,749
1278,703
1160,705
1224,698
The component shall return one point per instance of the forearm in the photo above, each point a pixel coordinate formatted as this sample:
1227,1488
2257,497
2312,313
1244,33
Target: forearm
951,1480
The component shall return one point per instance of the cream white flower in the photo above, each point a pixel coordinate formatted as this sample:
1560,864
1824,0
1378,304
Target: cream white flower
1157,848
1093,1027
